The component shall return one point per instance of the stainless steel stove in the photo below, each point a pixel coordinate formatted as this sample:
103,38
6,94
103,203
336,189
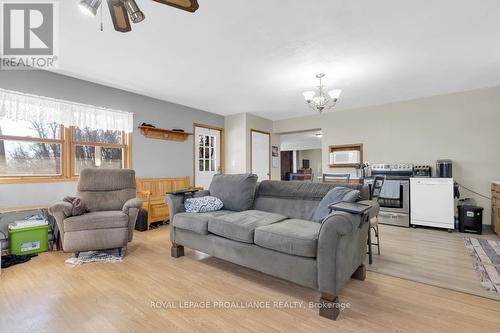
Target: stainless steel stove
395,208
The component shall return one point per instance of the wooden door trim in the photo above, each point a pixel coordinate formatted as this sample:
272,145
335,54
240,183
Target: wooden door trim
251,149
222,148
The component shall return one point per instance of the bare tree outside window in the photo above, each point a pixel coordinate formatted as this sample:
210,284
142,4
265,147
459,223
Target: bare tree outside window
31,148
37,151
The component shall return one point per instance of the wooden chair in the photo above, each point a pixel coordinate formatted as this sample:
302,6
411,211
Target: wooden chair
152,192
336,178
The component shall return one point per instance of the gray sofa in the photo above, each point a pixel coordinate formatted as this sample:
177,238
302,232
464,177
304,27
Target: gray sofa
110,196
273,233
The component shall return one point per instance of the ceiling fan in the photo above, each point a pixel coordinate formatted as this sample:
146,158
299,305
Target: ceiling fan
124,11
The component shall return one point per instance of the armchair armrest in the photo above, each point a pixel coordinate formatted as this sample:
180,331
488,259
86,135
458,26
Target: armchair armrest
132,203
131,208
61,207
60,211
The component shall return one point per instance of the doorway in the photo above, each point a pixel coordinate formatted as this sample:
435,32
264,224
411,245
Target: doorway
260,154
208,154
286,164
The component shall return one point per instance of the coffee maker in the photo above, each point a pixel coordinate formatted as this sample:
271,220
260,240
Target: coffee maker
444,169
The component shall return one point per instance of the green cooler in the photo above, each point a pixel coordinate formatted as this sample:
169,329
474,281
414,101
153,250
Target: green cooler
28,237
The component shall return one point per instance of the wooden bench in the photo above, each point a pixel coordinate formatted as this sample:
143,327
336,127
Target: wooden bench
152,192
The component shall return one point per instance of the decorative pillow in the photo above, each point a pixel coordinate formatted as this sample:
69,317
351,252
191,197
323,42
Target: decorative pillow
237,192
336,194
203,204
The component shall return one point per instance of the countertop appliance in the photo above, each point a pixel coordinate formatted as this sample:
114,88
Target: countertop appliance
422,171
396,209
432,202
444,168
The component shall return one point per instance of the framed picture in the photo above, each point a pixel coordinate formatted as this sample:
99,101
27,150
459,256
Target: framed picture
275,151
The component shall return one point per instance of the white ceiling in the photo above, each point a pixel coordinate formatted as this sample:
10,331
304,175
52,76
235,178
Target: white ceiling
235,56
300,140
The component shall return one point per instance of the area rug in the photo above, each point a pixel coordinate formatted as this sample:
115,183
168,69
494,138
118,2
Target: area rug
108,256
486,261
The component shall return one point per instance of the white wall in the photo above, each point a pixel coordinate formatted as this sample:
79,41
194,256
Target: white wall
235,143
464,127
315,160
150,158
238,142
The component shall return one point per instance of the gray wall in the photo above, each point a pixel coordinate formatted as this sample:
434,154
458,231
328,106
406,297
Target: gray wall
463,127
150,158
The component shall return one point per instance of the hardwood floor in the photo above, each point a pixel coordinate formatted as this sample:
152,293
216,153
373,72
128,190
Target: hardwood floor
431,256
46,295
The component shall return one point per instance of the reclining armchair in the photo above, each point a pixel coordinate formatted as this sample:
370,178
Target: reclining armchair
110,197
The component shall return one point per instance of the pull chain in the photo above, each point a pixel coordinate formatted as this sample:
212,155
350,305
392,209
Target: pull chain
102,26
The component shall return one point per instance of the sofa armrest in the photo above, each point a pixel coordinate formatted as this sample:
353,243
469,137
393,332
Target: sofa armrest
175,202
60,211
341,250
375,207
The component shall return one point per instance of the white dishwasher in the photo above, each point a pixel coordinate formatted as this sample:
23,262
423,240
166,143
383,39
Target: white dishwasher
432,202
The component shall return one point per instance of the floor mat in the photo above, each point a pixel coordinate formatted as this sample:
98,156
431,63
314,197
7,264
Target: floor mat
486,261
104,256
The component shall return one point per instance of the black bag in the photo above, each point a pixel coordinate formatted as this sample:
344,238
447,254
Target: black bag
142,220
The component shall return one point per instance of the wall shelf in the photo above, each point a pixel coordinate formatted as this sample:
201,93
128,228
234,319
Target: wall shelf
163,134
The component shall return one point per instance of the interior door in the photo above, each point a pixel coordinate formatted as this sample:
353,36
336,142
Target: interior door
207,155
261,154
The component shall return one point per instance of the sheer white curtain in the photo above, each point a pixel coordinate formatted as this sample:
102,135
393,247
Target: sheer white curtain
19,106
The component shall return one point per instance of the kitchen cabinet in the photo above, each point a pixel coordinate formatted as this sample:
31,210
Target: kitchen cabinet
495,207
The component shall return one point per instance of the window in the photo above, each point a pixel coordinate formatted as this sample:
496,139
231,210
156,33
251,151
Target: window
33,150
98,149
30,148
207,156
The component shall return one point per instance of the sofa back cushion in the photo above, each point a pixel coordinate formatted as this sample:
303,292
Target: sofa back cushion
237,192
106,189
297,200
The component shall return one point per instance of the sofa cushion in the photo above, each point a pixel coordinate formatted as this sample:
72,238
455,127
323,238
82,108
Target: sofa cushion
240,226
196,222
294,236
237,192
96,220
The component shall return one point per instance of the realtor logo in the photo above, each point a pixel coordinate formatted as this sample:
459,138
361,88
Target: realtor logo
29,36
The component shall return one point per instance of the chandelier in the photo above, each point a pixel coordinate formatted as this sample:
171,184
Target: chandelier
320,101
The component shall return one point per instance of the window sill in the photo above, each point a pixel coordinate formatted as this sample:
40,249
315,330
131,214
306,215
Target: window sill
21,180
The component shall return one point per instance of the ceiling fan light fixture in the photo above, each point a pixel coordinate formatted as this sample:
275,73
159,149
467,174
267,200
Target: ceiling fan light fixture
136,15
90,7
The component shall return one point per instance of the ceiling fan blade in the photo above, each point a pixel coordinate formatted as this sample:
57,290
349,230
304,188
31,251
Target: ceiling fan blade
119,16
187,5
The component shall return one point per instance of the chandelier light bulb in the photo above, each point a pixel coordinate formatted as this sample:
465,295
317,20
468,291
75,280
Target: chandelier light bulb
335,93
308,95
